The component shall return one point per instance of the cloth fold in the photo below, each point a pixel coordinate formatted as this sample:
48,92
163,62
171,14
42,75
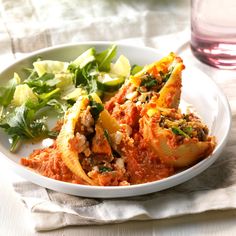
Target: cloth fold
29,25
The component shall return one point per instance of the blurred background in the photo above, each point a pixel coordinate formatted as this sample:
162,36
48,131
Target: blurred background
29,25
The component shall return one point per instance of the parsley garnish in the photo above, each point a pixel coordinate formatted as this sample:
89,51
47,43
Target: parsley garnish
95,108
149,82
103,169
178,131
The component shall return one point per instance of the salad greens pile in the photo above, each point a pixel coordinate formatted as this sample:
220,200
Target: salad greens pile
56,85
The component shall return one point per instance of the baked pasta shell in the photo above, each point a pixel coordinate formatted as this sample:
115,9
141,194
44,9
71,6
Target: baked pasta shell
165,144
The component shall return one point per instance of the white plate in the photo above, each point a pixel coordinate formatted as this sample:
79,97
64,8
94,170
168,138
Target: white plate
198,90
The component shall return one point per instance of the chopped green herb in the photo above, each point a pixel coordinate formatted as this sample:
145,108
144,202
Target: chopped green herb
106,134
149,82
188,130
103,169
178,131
43,84
96,108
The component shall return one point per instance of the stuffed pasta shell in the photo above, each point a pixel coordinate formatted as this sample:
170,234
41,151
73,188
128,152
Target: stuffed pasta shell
178,139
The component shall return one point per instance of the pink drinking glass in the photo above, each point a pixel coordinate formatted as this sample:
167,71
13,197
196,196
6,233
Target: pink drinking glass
213,32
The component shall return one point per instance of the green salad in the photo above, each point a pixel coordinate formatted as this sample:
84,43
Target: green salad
56,85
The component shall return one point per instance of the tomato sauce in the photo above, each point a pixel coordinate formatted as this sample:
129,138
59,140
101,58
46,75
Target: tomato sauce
143,165
48,162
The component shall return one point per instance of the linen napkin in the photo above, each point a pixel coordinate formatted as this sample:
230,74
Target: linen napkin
213,189
28,25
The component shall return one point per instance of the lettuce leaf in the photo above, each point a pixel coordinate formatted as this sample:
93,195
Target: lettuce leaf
7,92
104,58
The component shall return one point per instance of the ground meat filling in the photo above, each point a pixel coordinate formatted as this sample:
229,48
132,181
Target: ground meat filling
127,104
85,124
151,82
184,126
